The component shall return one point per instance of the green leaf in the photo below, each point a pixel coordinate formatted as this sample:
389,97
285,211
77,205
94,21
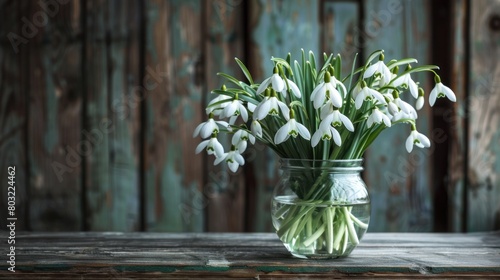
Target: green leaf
403,61
229,78
245,70
372,56
312,59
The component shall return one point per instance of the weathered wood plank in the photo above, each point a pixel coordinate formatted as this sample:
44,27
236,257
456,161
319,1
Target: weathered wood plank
341,31
54,129
123,107
484,117
173,176
14,87
456,118
261,255
275,26
399,183
98,190
223,196
112,114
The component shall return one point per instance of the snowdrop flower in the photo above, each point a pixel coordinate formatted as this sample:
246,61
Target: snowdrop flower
293,87
402,115
417,139
404,106
256,128
291,128
275,81
336,82
270,105
356,90
439,91
406,82
326,91
377,117
212,146
240,139
235,108
379,68
209,127
232,158
326,132
420,99
367,94
335,117
217,109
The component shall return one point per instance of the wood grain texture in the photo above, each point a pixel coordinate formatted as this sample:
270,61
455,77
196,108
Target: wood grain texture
14,87
224,202
399,183
250,256
341,34
173,176
484,118
112,112
275,26
456,118
54,125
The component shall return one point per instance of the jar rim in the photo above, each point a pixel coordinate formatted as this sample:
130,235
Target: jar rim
355,165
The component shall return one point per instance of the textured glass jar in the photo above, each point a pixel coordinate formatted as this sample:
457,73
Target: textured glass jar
320,208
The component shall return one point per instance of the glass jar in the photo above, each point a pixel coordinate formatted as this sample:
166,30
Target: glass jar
320,208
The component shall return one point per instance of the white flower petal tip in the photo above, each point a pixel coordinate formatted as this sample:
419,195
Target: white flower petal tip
291,128
440,91
326,132
377,117
233,159
209,127
417,139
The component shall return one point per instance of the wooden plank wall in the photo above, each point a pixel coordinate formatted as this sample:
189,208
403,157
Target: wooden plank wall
99,99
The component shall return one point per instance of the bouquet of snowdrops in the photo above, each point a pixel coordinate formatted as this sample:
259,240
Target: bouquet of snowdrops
306,110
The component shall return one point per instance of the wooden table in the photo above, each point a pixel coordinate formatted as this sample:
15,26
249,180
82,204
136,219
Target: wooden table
88,255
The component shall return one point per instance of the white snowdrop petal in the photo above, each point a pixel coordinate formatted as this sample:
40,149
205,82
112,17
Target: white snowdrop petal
201,146
303,131
409,144
262,87
336,136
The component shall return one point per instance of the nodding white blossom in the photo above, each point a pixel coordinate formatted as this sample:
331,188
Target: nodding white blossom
326,91
418,139
377,117
439,91
209,127
336,83
213,147
291,128
326,132
276,81
368,94
270,105
406,81
335,117
379,68
235,108
404,106
240,139
233,159
293,87
256,128
217,109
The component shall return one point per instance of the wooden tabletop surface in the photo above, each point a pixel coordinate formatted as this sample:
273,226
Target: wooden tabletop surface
92,255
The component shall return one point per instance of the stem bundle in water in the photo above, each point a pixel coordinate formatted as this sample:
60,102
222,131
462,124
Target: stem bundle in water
317,228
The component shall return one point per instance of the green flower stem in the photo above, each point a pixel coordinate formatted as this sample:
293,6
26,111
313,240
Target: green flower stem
303,225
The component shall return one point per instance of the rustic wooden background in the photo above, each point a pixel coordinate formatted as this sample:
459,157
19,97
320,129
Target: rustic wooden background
99,99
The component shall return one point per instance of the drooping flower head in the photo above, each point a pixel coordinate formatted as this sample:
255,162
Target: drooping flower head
440,91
